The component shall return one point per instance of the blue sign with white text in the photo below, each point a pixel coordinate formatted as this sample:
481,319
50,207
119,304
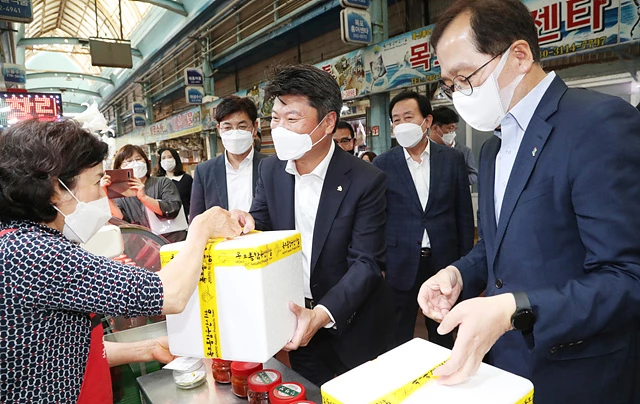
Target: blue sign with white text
139,120
14,74
193,76
356,3
194,95
16,10
356,26
139,108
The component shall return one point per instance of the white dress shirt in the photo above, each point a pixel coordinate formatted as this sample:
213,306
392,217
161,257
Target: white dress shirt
513,127
240,183
421,174
308,188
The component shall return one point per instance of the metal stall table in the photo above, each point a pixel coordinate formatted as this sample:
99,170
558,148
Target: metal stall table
159,388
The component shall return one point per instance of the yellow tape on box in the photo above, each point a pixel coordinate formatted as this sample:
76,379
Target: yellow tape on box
221,253
377,382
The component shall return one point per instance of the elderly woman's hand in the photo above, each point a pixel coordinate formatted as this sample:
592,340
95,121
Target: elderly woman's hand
217,222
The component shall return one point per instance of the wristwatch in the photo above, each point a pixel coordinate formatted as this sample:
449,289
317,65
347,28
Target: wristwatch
523,318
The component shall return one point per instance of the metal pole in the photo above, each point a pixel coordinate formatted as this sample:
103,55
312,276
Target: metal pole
379,103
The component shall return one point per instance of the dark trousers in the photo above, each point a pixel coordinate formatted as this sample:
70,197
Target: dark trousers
406,307
317,362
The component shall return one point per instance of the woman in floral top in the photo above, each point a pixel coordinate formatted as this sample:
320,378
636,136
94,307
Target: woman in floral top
50,199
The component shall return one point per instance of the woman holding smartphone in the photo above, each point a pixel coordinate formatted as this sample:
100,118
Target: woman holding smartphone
154,195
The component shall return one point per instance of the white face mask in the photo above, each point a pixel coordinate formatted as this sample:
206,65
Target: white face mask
168,164
488,104
86,220
291,145
139,168
408,134
447,138
236,141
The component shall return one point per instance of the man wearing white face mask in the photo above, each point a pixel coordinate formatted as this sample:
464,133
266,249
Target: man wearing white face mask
559,218
443,131
429,212
338,204
229,180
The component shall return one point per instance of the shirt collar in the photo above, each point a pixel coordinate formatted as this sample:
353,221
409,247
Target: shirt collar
424,154
321,169
523,111
243,162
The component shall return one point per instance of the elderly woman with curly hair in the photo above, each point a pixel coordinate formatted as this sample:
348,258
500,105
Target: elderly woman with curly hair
51,200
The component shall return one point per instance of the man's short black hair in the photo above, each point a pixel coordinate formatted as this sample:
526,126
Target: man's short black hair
444,116
233,104
346,125
33,156
422,100
318,86
495,24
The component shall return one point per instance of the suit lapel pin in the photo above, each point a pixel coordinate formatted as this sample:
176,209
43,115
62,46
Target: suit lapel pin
534,151
339,188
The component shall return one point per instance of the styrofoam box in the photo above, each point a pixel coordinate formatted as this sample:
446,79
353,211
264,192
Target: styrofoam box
254,319
396,370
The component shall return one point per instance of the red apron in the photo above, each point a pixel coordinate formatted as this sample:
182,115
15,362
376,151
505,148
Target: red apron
96,386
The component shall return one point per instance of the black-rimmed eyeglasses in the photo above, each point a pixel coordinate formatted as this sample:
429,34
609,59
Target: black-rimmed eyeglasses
461,83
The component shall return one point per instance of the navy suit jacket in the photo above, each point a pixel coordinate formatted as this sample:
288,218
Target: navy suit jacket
568,236
348,249
448,217
210,184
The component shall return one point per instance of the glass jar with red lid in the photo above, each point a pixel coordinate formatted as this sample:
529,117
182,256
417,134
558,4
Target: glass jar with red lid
240,371
260,383
221,370
287,393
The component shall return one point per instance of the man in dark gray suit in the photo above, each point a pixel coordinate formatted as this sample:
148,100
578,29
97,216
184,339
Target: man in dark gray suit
229,180
443,131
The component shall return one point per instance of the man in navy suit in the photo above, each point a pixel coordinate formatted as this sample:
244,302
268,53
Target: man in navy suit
229,180
559,217
338,204
429,211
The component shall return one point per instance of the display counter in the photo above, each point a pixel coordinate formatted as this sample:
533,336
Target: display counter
159,388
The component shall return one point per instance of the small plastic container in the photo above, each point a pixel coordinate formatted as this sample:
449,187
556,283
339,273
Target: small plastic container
260,383
190,378
221,371
240,372
287,393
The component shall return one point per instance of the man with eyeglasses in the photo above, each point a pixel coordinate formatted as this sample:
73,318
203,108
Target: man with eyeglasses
229,180
345,137
559,218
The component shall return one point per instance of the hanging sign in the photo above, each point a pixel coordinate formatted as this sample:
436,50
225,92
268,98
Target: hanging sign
139,120
193,76
17,10
139,108
355,26
194,94
355,3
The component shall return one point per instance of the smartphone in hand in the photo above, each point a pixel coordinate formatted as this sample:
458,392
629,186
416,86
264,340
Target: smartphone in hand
119,187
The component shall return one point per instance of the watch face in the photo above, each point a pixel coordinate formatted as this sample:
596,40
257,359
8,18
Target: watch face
523,320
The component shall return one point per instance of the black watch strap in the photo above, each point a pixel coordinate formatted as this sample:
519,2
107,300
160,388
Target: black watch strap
523,318
522,301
